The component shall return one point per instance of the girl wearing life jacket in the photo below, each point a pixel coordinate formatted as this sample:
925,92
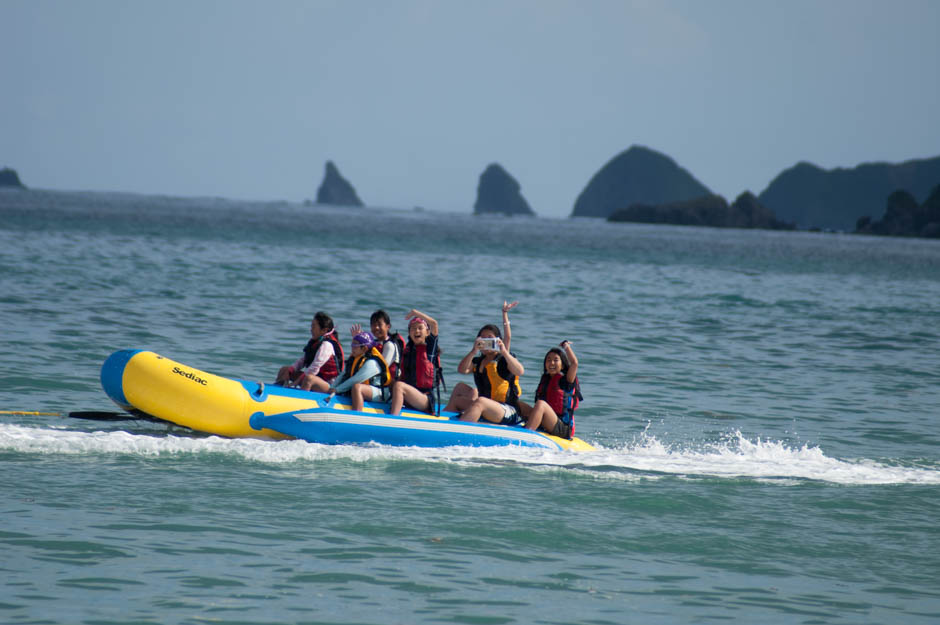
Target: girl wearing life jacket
420,366
558,393
366,373
321,362
496,372
463,394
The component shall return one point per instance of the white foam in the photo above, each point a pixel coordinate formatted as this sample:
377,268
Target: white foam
646,458
739,457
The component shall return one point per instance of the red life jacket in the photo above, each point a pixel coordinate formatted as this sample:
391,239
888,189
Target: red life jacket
332,367
563,403
418,368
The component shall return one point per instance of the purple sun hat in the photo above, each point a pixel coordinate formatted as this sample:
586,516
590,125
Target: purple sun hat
364,338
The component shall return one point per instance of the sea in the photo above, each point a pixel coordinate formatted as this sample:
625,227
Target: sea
765,408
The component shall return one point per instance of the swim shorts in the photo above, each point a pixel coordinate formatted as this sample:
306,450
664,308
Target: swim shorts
511,415
561,430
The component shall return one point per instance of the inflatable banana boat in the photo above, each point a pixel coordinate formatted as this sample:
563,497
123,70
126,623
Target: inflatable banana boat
156,387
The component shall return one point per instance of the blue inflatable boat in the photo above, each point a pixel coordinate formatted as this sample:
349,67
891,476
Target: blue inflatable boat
146,383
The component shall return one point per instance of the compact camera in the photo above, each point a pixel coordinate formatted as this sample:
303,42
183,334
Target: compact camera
490,344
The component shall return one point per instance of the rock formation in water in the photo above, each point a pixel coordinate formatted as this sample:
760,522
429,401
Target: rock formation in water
904,217
498,192
835,199
336,190
637,176
709,210
9,178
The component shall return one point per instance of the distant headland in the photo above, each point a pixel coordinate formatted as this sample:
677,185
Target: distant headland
836,199
643,185
646,186
708,210
904,217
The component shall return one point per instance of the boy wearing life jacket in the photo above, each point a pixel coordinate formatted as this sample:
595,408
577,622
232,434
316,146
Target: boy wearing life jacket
389,343
366,373
321,362
557,395
420,366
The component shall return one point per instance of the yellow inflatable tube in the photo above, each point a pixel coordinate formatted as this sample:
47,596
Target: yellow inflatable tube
145,382
171,391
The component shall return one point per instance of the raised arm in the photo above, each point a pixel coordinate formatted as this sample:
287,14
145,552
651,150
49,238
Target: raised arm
507,331
515,367
466,363
368,369
572,361
432,324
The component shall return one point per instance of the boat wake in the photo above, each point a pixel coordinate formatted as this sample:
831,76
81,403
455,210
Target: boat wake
735,457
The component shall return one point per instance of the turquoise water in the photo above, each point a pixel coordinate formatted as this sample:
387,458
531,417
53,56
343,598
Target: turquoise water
765,407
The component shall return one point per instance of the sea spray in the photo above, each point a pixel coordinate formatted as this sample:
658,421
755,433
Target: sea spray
734,458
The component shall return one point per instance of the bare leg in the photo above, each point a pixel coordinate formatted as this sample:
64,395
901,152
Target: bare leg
406,394
283,375
542,416
356,394
483,407
461,397
418,400
313,382
398,398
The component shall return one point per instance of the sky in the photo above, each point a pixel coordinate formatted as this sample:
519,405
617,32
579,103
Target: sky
412,99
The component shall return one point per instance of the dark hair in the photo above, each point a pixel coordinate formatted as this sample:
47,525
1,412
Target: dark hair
491,328
380,314
564,360
324,321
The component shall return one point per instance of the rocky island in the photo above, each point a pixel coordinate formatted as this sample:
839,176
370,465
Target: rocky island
9,178
836,199
709,210
638,175
499,192
335,189
904,217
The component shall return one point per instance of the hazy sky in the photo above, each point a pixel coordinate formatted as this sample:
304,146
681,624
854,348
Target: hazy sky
412,99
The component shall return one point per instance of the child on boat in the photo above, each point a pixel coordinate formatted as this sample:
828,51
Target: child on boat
463,394
496,372
321,362
419,373
366,373
389,343
557,395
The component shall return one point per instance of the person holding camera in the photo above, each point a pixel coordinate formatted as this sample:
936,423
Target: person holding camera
496,373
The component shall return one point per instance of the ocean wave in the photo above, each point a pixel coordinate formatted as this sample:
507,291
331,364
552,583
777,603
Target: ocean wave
736,457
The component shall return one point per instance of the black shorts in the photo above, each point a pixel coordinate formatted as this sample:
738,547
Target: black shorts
561,430
430,395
